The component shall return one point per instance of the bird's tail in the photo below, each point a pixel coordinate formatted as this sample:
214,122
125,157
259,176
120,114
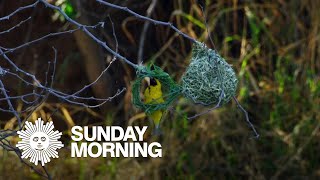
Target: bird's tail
157,130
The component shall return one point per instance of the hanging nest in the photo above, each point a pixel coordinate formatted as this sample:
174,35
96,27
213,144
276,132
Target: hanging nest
170,89
207,76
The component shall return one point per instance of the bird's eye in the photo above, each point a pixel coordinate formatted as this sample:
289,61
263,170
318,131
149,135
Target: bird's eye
153,82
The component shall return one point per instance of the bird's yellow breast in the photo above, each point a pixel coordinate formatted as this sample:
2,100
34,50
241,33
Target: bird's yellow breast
153,94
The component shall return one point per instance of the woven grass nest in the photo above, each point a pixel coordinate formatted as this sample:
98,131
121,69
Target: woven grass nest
207,76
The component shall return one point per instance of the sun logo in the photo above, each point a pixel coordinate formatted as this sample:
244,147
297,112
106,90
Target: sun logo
39,142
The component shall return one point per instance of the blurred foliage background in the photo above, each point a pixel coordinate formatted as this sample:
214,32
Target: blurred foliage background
274,46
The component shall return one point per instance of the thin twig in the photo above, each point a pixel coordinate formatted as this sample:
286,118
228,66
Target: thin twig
207,27
85,29
207,111
9,103
169,24
144,31
18,10
15,26
247,117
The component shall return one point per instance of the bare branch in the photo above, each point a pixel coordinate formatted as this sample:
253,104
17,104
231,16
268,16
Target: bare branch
11,108
16,26
85,29
18,10
169,24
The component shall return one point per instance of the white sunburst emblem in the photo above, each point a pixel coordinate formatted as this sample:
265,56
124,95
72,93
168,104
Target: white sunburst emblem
39,142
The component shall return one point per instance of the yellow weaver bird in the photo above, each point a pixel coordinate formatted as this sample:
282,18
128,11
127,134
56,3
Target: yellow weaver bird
153,95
